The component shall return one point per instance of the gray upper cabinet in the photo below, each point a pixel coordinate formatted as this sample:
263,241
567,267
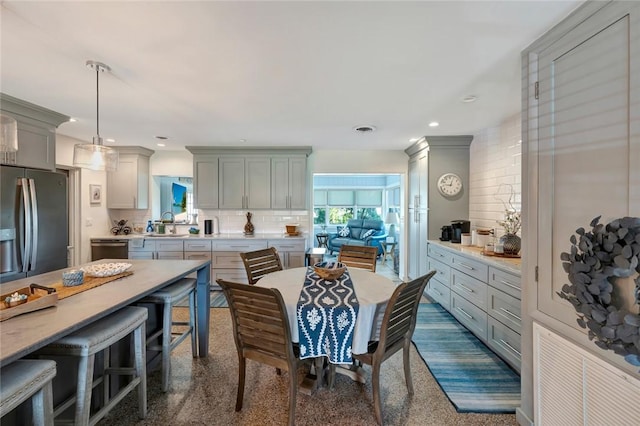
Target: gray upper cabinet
36,132
288,183
250,178
205,186
128,187
244,182
585,148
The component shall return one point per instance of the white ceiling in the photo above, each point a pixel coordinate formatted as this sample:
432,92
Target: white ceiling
272,73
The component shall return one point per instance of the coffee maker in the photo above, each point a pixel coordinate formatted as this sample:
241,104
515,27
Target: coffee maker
459,227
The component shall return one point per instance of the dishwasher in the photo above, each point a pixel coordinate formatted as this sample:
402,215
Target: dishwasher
109,248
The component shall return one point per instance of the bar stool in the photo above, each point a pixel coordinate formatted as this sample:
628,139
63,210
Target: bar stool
24,379
168,297
92,339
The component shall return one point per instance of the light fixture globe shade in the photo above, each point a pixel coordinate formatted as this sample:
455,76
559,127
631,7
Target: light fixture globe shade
95,157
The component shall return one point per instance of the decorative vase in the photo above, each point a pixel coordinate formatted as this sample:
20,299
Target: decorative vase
511,243
248,227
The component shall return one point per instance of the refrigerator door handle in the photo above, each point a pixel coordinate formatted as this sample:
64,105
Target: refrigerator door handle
26,249
34,215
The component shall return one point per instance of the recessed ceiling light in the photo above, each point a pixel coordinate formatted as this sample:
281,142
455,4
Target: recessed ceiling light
161,144
110,140
434,124
469,99
162,138
243,140
72,120
364,129
413,140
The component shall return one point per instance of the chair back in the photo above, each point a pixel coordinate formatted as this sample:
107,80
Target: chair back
260,324
400,316
363,257
260,263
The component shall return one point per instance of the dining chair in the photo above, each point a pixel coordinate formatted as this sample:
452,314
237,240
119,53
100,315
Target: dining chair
363,257
261,332
259,263
396,331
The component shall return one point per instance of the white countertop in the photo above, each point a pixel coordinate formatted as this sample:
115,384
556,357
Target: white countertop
222,236
508,264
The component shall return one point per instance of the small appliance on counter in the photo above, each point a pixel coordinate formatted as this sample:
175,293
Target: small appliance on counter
459,227
446,233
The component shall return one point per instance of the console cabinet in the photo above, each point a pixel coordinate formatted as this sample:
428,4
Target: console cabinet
128,187
481,294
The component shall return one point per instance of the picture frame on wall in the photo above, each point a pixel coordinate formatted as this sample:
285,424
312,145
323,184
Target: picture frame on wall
95,192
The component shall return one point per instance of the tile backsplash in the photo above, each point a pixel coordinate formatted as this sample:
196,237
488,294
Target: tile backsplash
495,168
231,221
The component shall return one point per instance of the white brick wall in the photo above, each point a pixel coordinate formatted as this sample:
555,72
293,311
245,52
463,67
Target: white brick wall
495,158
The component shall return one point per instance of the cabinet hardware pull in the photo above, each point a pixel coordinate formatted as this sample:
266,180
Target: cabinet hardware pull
197,246
508,312
510,285
439,294
467,266
510,347
464,287
465,313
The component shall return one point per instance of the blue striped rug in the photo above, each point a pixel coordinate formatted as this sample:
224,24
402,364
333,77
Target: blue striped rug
216,299
474,379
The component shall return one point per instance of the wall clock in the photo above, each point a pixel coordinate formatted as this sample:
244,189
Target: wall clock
449,184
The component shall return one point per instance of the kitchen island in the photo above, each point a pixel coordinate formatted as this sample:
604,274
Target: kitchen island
23,334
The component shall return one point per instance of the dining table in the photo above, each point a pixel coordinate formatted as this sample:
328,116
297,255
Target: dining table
28,332
372,290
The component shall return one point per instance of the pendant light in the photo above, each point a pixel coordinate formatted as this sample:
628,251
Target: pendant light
96,156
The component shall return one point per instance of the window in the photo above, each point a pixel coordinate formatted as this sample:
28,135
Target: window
336,207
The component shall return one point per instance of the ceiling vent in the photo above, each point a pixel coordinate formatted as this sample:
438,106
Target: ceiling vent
364,129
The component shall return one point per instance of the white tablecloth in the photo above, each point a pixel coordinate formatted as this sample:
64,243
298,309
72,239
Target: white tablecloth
373,292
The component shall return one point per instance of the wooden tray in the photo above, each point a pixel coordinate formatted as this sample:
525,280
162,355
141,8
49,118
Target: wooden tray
38,297
89,283
491,253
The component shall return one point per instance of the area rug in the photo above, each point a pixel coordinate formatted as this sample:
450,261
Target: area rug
474,378
216,299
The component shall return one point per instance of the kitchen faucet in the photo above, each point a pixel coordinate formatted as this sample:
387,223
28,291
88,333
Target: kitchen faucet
173,220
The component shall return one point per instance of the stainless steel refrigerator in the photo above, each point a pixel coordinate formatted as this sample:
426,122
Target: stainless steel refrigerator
33,222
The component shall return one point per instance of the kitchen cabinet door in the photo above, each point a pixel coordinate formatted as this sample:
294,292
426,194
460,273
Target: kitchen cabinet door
205,171
289,183
586,152
244,182
128,187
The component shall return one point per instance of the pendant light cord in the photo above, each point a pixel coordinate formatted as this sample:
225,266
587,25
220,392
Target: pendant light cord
98,102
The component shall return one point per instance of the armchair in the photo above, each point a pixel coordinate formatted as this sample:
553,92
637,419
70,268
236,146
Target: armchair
357,229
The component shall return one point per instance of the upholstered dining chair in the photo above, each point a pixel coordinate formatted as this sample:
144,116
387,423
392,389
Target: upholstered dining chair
261,332
396,331
259,263
363,257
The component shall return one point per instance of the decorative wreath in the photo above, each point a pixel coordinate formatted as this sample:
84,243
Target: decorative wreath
596,260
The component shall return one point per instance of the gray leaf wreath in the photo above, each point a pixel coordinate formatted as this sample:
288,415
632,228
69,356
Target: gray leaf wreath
596,259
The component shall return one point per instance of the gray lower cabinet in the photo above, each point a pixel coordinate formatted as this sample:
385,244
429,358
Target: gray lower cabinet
223,254
481,296
291,252
157,249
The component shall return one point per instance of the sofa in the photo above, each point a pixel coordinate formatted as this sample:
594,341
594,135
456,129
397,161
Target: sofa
358,232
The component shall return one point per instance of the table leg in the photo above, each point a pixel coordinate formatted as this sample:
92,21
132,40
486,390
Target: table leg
203,304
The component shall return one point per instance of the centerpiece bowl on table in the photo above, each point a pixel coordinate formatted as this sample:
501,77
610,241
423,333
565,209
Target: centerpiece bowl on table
330,270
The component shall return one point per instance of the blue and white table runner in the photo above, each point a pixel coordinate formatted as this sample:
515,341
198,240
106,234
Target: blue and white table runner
326,314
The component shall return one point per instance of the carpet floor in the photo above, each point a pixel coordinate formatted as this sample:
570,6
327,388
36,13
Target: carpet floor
203,392
471,375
